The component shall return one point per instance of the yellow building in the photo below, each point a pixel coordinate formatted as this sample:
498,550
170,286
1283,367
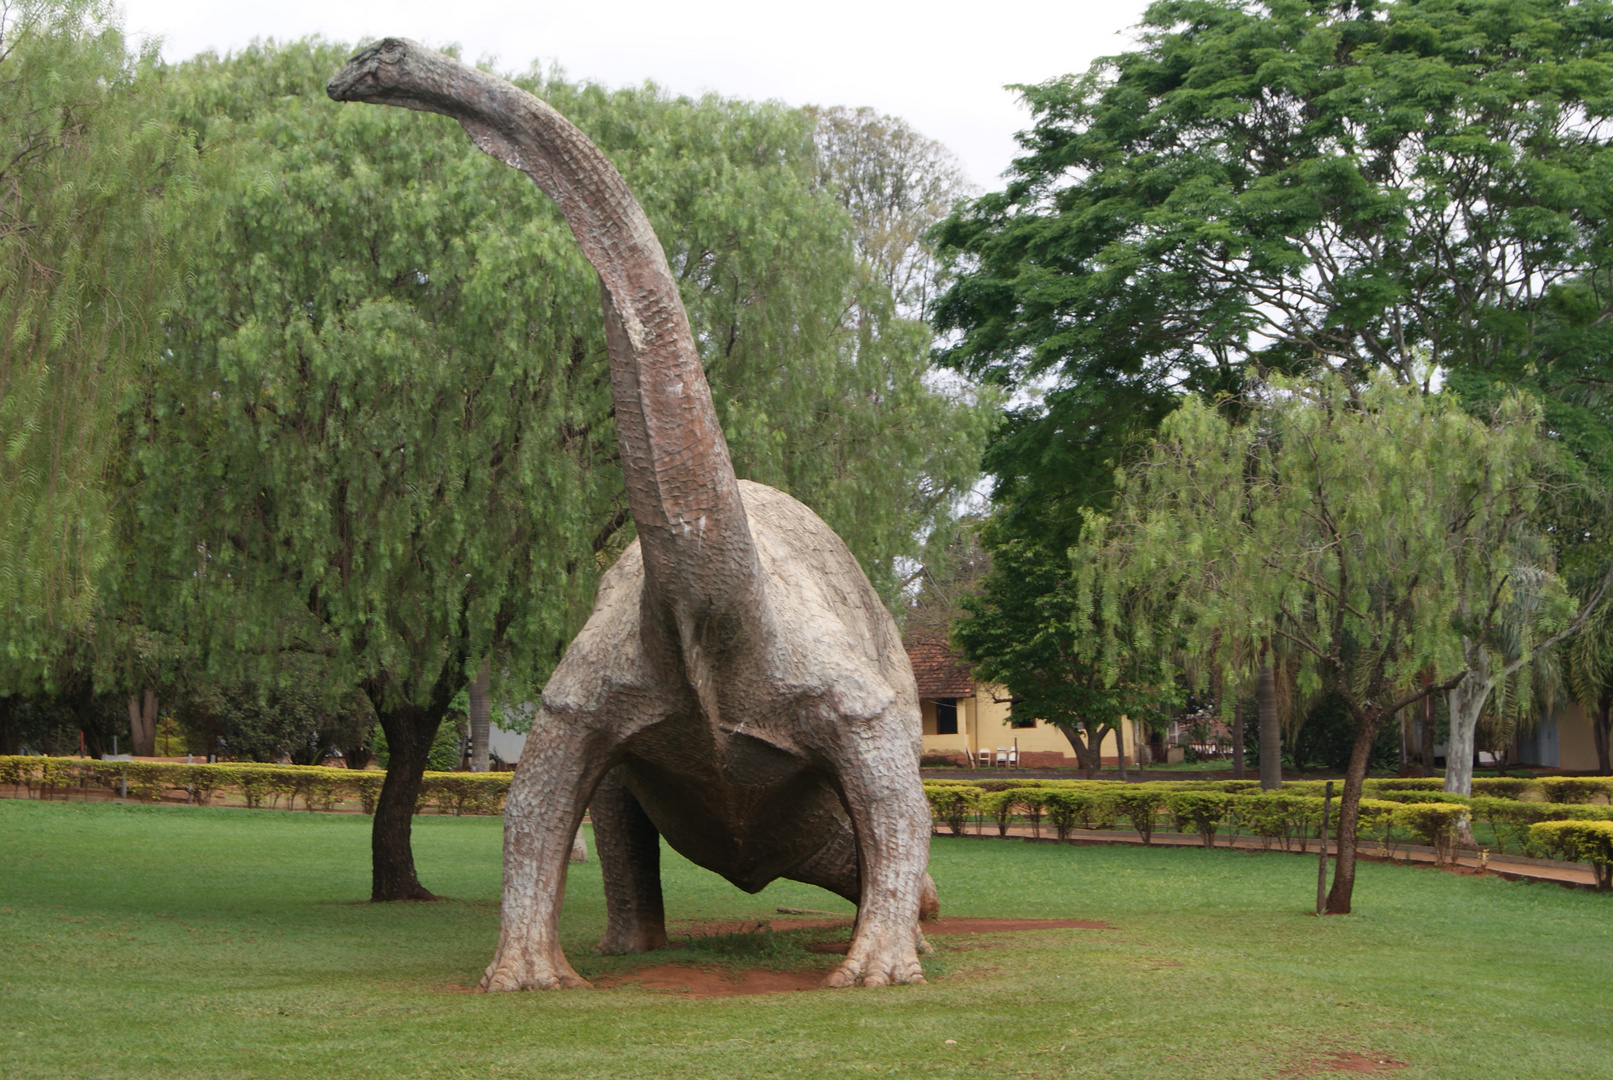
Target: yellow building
971,723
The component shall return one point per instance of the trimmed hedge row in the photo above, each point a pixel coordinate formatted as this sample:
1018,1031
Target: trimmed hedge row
1288,819
1580,841
1575,790
317,787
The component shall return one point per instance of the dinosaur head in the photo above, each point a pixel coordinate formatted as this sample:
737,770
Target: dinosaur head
397,71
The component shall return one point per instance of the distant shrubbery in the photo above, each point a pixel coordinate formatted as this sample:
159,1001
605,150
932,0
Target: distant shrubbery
313,787
1393,811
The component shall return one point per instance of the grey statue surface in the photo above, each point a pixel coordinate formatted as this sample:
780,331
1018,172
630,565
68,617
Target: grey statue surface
739,688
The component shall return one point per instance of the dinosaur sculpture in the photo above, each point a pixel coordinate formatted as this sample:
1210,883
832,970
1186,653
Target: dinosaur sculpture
739,688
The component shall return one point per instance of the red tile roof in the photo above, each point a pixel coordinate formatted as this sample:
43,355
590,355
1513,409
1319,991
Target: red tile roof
940,672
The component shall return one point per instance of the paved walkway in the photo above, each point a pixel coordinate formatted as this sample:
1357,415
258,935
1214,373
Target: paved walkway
1511,867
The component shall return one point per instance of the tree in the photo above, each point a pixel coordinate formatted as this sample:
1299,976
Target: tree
382,431
1027,632
1358,185
93,186
1368,529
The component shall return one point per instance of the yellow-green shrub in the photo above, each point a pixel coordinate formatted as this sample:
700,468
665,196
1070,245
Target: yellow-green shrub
1580,841
1199,811
1140,804
1436,824
1575,789
952,803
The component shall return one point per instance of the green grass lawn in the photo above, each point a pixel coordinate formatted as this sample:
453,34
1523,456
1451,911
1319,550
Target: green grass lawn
179,942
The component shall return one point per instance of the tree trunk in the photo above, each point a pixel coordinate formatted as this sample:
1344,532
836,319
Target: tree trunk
1338,897
1271,740
409,732
10,737
1120,748
1430,715
1237,740
1601,729
143,724
1087,756
1408,755
1466,700
481,715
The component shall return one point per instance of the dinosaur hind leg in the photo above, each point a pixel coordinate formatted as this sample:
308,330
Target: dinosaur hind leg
834,867
630,860
878,774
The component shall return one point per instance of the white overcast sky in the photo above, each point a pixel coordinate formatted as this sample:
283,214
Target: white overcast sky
941,67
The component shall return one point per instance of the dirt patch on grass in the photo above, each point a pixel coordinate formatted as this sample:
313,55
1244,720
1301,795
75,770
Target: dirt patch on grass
937,926
705,982
1344,1062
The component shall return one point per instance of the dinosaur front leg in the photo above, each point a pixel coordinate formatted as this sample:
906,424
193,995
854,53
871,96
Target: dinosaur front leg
560,767
630,859
878,773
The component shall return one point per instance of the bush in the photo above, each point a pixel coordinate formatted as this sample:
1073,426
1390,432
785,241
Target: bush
1580,841
1436,824
1420,797
952,803
1070,807
1405,783
1032,802
1503,787
1000,806
466,793
1199,811
1512,821
1575,789
1140,805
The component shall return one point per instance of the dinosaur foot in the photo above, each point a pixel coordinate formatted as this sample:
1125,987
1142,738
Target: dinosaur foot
523,969
620,940
879,959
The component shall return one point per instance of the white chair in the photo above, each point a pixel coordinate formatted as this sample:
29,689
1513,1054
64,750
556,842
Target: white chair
1002,757
1013,757
985,758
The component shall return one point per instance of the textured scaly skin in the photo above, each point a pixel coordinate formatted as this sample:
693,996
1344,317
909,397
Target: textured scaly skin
739,688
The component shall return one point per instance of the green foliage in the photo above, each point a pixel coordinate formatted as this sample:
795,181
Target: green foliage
952,803
96,188
1575,789
1140,805
1327,735
1293,184
1580,841
1365,526
255,785
383,427
1027,631
1199,811
1436,824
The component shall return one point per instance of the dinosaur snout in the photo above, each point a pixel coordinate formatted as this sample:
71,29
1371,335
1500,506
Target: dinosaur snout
375,74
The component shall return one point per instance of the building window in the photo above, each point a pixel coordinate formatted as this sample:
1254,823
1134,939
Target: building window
1016,720
946,716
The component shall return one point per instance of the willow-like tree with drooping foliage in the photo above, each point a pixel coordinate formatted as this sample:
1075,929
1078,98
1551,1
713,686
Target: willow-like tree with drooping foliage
92,187
1377,531
382,428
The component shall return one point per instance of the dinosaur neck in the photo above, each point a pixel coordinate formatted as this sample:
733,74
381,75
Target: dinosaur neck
699,558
